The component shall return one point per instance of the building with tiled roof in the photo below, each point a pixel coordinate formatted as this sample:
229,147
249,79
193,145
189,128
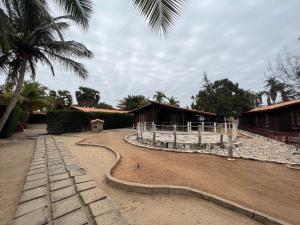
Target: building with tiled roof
278,117
88,109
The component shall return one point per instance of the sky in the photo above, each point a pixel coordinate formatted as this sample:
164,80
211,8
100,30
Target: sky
228,39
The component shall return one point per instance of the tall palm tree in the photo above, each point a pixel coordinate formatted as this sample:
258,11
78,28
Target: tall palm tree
33,39
159,96
273,87
173,101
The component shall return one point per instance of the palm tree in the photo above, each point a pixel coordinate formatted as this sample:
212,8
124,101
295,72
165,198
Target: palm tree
273,87
34,97
173,101
33,39
27,27
159,96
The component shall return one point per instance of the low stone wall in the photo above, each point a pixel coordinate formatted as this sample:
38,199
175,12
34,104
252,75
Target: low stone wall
182,190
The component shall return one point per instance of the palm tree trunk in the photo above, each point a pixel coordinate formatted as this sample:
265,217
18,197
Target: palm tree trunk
15,96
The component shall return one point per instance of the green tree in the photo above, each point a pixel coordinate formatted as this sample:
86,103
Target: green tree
87,97
173,101
223,97
33,39
273,87
27,35
34,97
160,97
132,102
103,105
62,99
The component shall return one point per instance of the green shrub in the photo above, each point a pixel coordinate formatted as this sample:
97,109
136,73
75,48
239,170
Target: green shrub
13,121
67,121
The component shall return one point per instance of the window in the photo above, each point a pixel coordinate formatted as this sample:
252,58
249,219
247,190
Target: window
267,120
295,119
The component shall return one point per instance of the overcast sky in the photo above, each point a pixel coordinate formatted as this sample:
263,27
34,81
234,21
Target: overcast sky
228,38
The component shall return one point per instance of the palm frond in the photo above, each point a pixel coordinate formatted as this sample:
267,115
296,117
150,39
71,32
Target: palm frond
160,14
81,10
70,64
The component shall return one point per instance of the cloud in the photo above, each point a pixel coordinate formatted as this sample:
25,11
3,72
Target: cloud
225,38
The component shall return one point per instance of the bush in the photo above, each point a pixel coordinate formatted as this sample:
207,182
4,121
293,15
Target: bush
13,121
67,121
37,118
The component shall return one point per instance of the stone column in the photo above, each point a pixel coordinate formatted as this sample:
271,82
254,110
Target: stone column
215,127
175,137
234,131
230,147
202,126
137,130
141,129
153,130
199,135
145,126
225,127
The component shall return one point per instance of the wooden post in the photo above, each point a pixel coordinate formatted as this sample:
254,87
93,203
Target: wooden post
215,127
137,130
154,130
141,128
175,138
199,135
221,140
230,147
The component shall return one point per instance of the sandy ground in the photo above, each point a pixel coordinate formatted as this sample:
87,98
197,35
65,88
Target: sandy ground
14,163
151,209
268,187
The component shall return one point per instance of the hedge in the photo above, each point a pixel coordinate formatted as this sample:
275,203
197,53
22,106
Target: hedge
16,116
68,121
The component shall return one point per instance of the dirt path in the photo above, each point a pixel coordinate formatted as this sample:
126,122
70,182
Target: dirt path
151,209
268,187
14,162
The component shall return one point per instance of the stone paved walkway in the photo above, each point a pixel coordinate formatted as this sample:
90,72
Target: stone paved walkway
58,191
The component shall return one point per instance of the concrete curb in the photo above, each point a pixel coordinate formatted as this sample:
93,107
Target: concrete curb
180,190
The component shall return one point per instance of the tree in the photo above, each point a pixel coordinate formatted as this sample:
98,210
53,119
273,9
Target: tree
87,97
159,96
173,101
27,35
286,70
61,100
132,102
34,97
103,105
273,87
223,97
33,39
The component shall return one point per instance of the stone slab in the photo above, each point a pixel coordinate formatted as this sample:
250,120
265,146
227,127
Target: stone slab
92,195
74,218
35,171
52,167
73,167
86,185
55,162
101,206
61,184
30,206
33,193
35,184
37,166
81,179
110,218
37,217
56,171
65,206
35,176
78,172
58,177
62,193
